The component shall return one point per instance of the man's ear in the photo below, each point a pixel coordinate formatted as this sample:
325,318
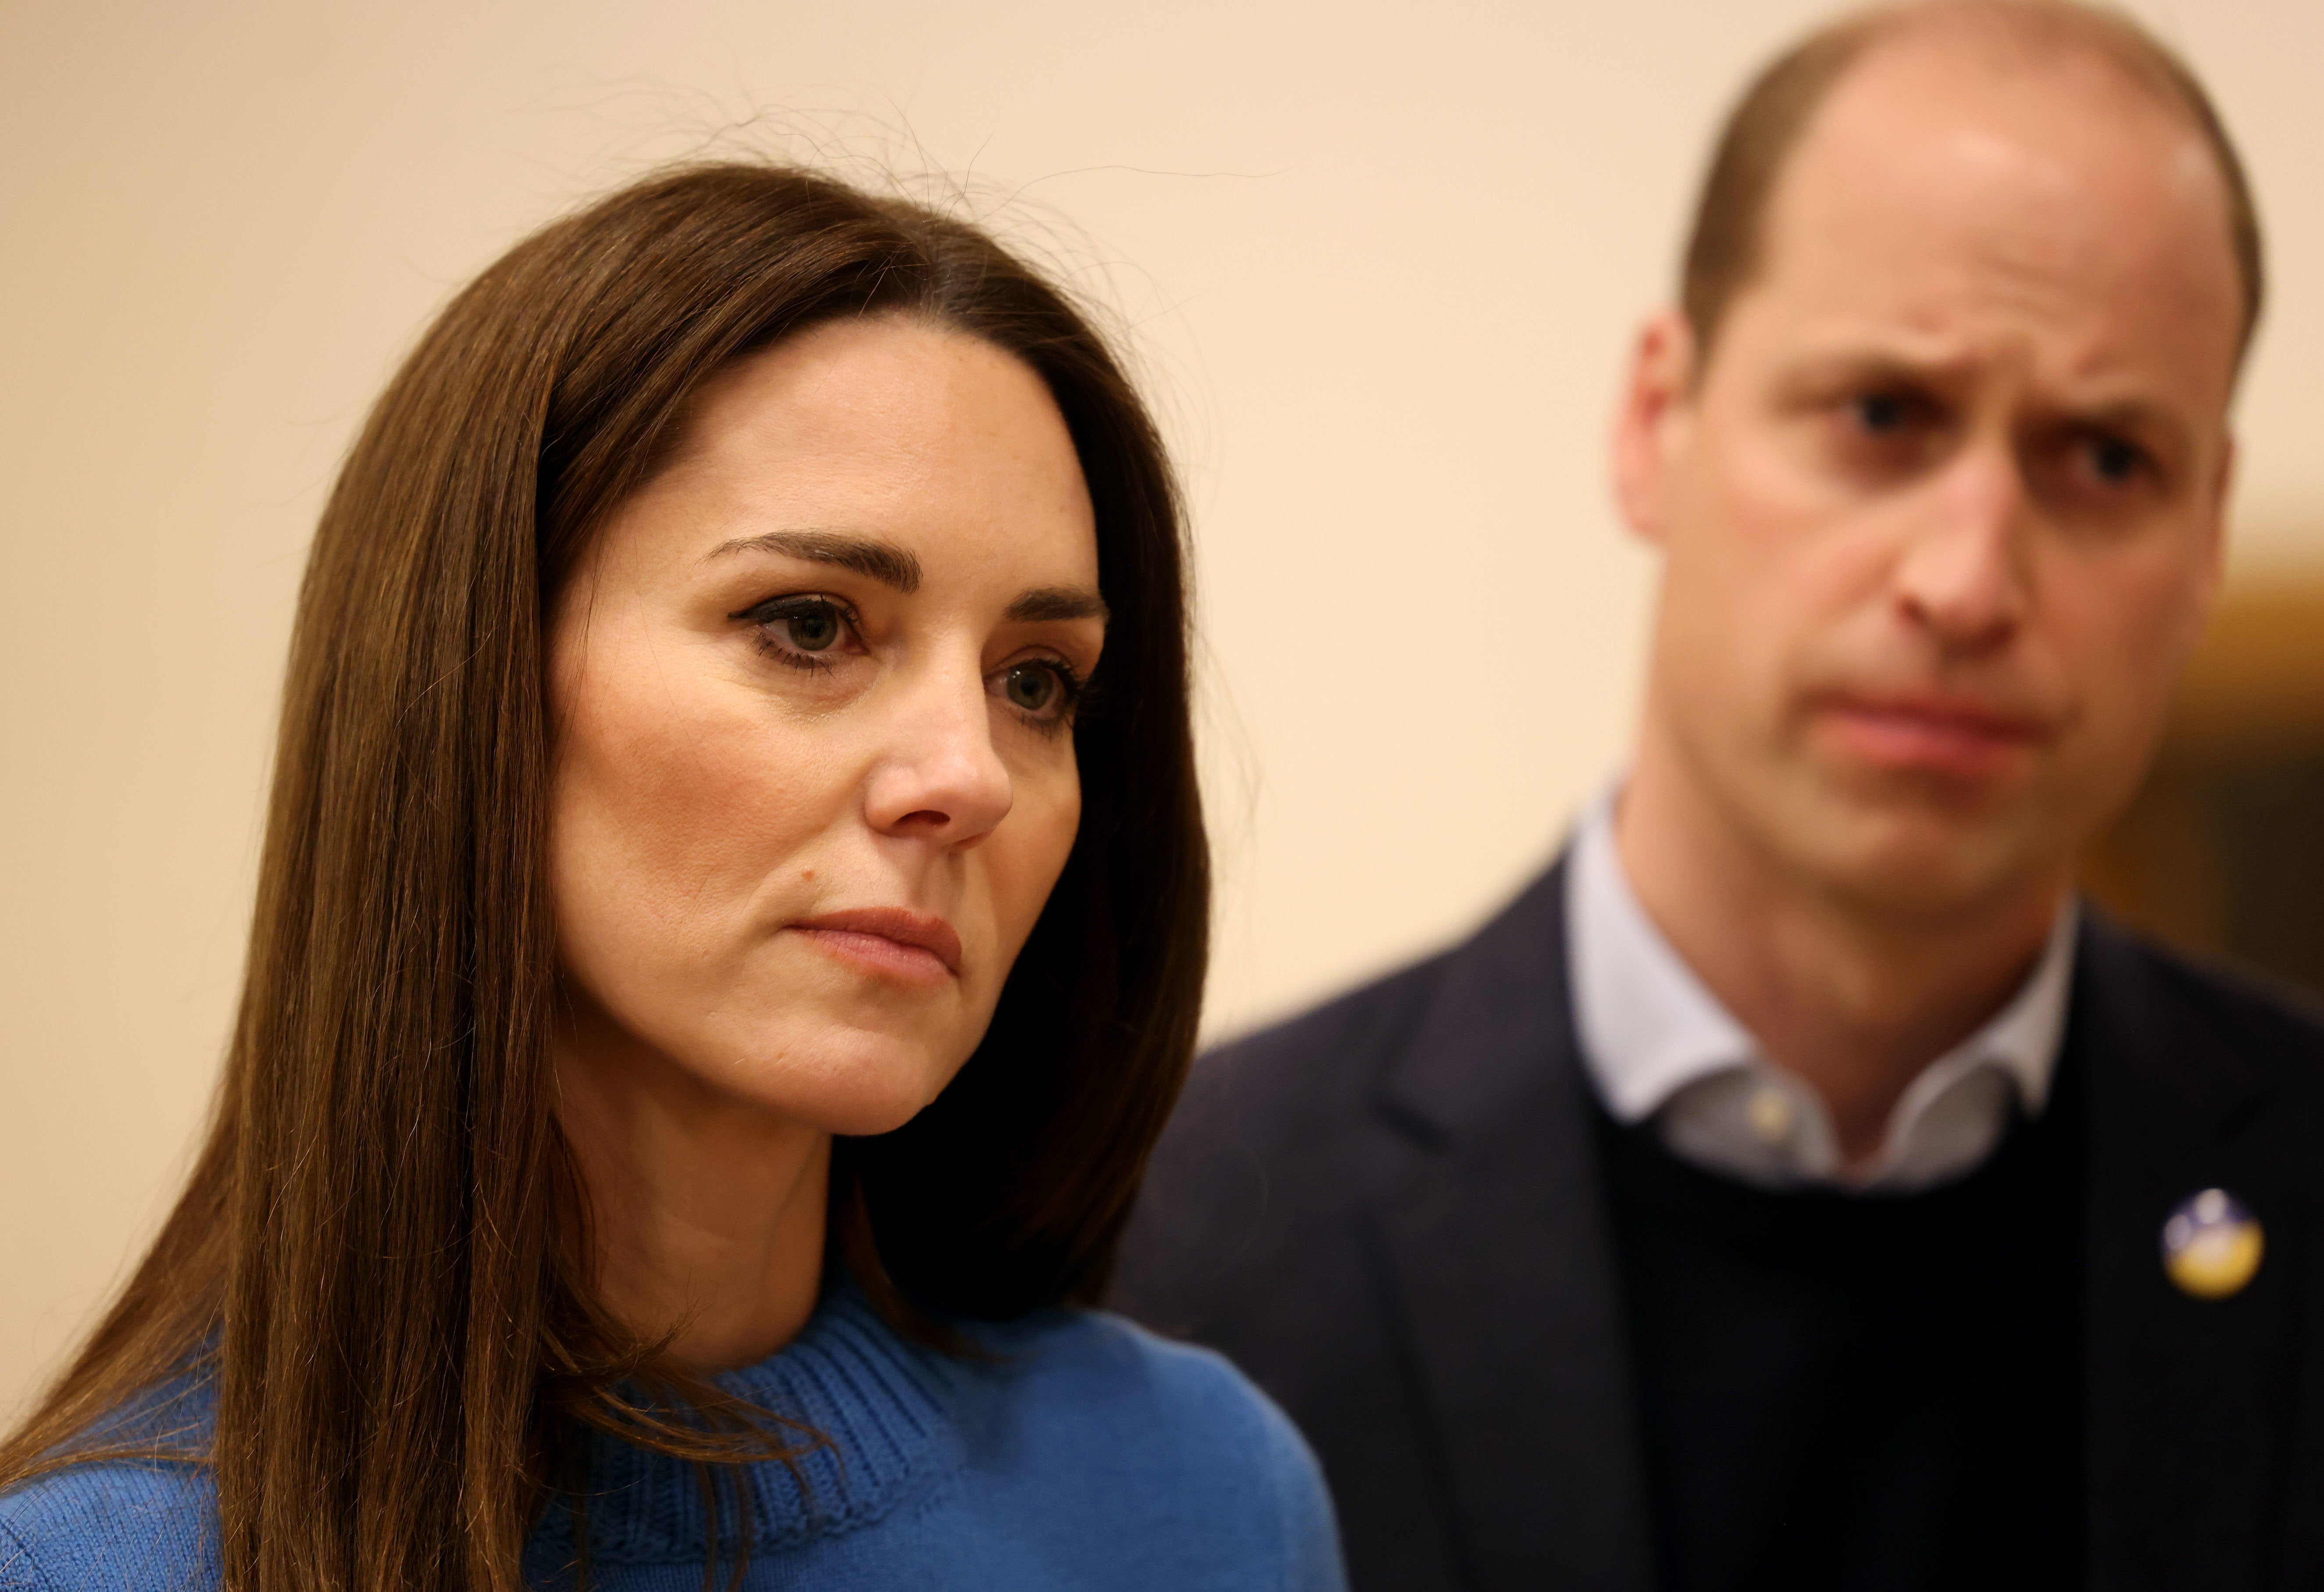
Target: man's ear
1651,421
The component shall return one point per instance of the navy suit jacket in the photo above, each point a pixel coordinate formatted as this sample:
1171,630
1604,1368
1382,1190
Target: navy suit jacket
1389,1213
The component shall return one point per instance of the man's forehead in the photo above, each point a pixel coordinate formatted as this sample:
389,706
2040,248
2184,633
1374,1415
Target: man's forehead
1957,195
1943,114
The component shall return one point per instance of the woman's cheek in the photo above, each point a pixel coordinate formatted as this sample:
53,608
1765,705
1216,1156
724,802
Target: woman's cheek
1051,807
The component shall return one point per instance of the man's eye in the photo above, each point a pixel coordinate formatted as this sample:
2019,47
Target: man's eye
1883,412
2114,460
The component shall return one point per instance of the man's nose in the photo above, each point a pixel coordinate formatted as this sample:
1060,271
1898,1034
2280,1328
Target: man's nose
939,777
1963,575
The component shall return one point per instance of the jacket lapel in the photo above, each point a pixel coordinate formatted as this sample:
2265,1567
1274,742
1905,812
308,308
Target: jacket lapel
1498,1243
2189,1403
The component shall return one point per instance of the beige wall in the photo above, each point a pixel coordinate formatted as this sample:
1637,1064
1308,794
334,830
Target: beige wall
1380,261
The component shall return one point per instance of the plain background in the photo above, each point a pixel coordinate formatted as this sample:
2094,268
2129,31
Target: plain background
1379,266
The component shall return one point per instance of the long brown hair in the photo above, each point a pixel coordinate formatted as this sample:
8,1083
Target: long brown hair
376,1267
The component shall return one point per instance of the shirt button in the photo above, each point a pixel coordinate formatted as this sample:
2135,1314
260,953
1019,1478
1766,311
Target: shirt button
1769,1112
2211,1245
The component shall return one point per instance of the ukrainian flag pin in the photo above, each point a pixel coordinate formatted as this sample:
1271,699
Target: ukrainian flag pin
2211,1245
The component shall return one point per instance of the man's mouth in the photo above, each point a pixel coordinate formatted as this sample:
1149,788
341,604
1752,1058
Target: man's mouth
1951,737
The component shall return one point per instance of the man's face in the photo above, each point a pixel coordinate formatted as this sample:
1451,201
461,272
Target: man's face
1941,515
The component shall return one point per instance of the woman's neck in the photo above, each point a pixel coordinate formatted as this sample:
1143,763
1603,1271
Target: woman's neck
706,1211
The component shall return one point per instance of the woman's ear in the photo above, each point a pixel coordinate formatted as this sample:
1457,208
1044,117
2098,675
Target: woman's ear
1651,421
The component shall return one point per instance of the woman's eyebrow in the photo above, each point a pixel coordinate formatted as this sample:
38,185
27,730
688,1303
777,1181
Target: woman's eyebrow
1057,602
884,562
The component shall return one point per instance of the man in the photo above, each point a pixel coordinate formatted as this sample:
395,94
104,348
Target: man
1794,1188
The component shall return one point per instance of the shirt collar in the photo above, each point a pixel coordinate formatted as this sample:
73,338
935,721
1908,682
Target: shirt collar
1649,1026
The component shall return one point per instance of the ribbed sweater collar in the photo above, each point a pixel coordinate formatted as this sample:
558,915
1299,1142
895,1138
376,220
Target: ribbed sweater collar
883,1404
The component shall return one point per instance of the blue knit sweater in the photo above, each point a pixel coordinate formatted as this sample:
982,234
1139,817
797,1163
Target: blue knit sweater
1084,1453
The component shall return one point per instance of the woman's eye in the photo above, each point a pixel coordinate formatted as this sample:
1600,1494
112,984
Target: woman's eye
1039,690
800,629
811,629
1031,689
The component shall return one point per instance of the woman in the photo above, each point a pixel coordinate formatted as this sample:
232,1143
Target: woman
730,930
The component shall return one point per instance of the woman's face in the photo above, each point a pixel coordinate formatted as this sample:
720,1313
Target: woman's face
813,695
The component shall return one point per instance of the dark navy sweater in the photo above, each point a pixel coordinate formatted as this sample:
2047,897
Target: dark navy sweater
1858,1392
1084,1453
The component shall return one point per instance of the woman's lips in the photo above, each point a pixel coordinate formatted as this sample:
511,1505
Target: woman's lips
908,945
1960,740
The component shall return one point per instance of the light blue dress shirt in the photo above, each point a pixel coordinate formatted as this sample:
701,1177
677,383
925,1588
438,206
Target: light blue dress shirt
1657,1044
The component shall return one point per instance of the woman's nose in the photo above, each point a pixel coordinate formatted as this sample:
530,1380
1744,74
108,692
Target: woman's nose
939,779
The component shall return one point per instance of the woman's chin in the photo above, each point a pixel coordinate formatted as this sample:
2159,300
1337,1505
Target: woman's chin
855,1089
863,1119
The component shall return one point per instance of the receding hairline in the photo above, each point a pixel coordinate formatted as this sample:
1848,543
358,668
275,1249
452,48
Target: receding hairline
1763,132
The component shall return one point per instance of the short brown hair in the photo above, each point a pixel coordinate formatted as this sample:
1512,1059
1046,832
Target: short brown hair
1723,249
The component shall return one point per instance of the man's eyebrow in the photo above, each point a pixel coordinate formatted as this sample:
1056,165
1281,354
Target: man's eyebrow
884,562
2131,414
1057,602
1857,364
